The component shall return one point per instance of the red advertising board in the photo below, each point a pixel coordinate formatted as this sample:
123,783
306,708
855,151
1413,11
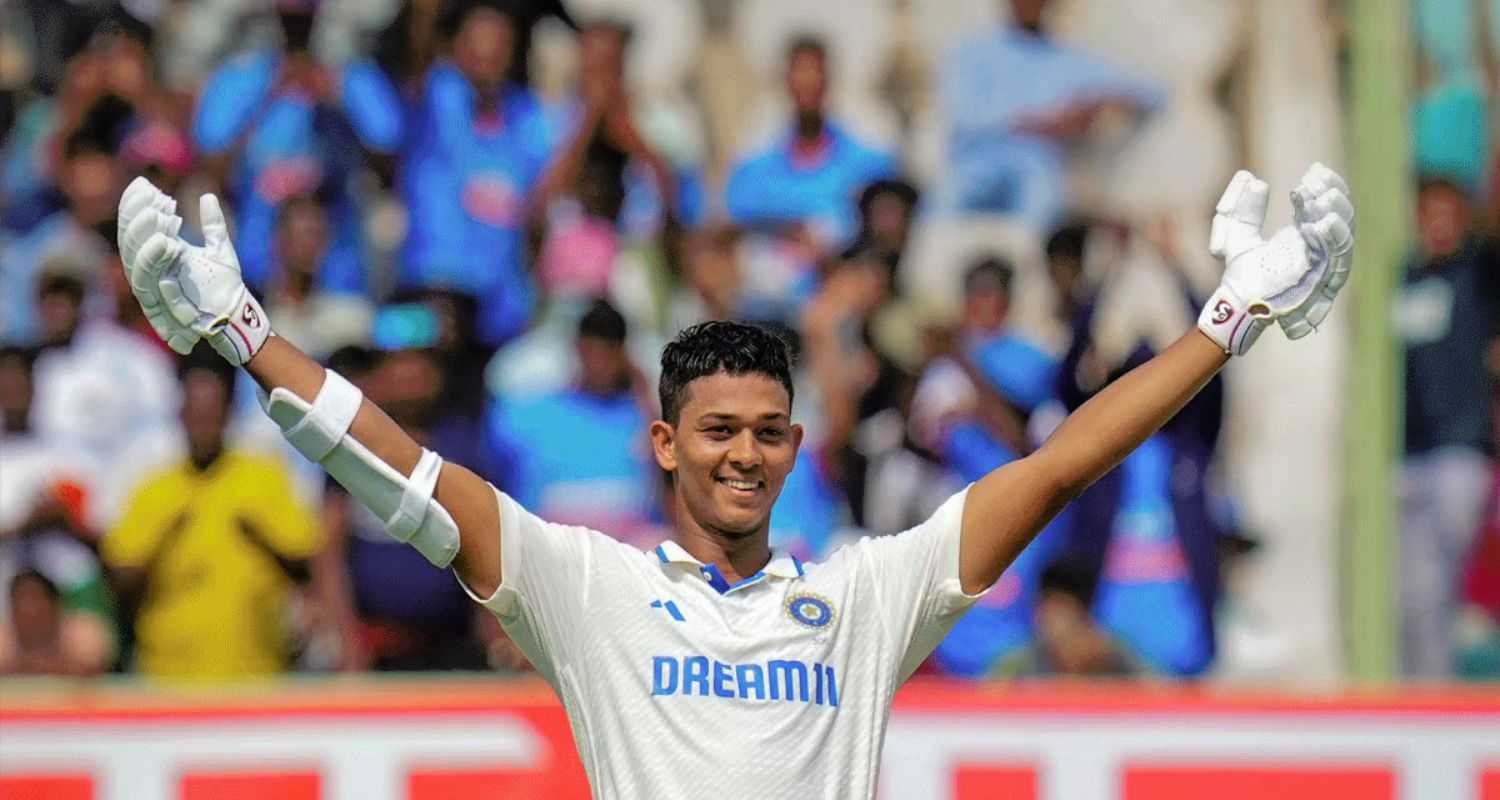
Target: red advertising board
342,740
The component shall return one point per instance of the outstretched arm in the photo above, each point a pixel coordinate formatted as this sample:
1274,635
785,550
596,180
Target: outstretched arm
1291,279
466,496
189,293
1006,508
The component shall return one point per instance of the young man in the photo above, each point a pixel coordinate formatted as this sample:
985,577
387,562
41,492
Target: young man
708,664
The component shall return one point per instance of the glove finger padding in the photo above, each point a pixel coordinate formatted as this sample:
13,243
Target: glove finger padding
146,224
139,196
1329,237
1305,320
1239,215
155,263
1319,179
216,233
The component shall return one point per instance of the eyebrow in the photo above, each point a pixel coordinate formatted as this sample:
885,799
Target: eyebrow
716,416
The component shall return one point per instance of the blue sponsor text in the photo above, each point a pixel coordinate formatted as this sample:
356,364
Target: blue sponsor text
783,680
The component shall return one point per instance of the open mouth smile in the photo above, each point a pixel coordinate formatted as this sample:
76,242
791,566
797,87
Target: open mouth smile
741,486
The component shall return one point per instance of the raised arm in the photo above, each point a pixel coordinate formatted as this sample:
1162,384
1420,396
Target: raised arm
444,511
1291,278
466,496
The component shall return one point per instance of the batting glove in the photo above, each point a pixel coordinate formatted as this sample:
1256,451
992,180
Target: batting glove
200,288
1291,277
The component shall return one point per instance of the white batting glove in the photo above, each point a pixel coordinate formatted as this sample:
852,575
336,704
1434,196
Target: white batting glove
200,287
145,211
1294,275
1320,192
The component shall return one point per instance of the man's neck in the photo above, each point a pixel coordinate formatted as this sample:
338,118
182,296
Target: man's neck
737,557
809,127
296,285
204,460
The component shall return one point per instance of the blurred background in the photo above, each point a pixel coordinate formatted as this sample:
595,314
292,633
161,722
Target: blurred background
967,216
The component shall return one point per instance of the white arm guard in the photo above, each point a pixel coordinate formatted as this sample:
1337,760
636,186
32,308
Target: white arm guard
319,432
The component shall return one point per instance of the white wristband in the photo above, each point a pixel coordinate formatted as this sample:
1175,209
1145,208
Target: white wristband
243,333
1228,321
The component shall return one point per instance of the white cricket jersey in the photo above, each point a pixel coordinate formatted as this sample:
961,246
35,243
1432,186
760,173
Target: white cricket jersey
678,684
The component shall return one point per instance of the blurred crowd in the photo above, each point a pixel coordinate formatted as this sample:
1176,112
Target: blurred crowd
493,241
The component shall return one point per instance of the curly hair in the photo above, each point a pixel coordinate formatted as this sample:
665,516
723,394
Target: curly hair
709,348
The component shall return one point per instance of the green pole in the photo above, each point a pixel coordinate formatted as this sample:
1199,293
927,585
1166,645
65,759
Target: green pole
1381,68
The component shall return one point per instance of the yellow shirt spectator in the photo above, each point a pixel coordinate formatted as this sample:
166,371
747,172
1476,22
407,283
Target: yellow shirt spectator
209,541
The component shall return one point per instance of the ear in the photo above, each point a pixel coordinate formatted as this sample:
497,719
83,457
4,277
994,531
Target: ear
664,445
796,438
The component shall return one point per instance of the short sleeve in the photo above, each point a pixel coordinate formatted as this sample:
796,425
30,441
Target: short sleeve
545,569
288,525
140,528
914,582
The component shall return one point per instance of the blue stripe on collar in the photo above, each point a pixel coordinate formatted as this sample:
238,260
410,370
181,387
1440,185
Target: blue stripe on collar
722,585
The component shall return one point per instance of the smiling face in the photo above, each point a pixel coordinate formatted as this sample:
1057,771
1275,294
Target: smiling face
730,450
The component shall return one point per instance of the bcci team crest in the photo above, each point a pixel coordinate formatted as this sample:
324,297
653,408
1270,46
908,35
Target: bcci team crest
811,610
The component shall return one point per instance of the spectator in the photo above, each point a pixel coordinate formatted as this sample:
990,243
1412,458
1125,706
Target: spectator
478,146
596,469
43,638
806,185
1448,316
1015,100
887,208
592,174
219,537
412,41
45,530
1069,642
84,360
973,402
90,180
277,124
392,609
1065,248
108,94
317,321
711,281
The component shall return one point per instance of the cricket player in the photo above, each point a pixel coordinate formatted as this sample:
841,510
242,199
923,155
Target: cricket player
710,666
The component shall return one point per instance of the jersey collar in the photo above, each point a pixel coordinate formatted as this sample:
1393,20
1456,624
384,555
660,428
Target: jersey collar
782,565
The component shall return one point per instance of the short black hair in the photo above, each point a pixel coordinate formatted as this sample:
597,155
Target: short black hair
204,358
456,13
903,191
88,140
989,272
1437,180
809,43
602,321
709,348
1067,241
1071,576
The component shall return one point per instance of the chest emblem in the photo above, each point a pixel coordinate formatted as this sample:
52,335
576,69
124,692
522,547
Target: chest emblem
811,610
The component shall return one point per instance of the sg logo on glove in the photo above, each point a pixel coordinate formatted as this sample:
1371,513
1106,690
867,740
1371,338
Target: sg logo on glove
1222,312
